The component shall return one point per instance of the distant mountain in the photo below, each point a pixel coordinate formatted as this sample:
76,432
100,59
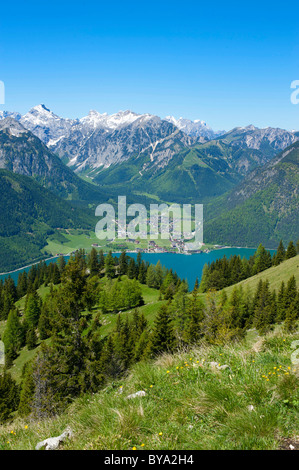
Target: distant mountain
29,214
173,173
98,140
268,140
5,114
176,172
46,125
264,208
197,128
23,153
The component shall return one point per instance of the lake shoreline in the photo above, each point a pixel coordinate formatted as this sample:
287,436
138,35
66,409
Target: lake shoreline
135,252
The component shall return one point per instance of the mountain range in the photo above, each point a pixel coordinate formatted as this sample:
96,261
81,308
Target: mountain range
247,177
97,141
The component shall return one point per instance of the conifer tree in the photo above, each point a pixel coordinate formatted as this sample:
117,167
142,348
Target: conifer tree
280,254
195,315
9,396
262,260
291,291
123,263
263,316
13,337
132,269
163,338
31,338
291,251
109,266
61,264
32,310
292,316
110,364
93,262
26,391
281,303
142,273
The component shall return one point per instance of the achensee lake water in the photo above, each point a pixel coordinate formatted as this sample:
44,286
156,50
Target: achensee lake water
187,266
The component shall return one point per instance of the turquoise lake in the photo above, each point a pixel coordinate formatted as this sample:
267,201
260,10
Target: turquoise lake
187,266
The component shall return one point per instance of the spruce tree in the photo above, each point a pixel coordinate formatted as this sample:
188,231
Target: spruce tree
32,310
13,337
263,316
195,315
292,316
93,262
61,264
163,337
280,254
31,339
109,266
9,397
291,251
27,391
123,263
281,303
291,291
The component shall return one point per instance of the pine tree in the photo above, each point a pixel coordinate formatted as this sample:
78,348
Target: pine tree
123,263
27,391
31,339
93,262
13,337
213,318
9,397
263,315
280,254
292,316
32,310
61,264
291,251
132,269
195,314
142,273
262,259
110,364
163,338
109,266
291,291
281,303
101,261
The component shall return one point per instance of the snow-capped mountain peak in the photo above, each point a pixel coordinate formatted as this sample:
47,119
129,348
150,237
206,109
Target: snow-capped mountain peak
196,128
45,124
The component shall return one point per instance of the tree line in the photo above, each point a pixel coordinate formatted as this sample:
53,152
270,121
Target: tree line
225,272
79,359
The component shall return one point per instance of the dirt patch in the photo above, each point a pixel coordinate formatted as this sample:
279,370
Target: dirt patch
289,444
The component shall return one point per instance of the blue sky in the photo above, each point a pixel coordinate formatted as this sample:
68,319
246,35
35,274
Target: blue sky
228,63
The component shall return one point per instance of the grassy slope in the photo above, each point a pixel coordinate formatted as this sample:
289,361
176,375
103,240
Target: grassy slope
188,404
275,276
213,402
150,308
